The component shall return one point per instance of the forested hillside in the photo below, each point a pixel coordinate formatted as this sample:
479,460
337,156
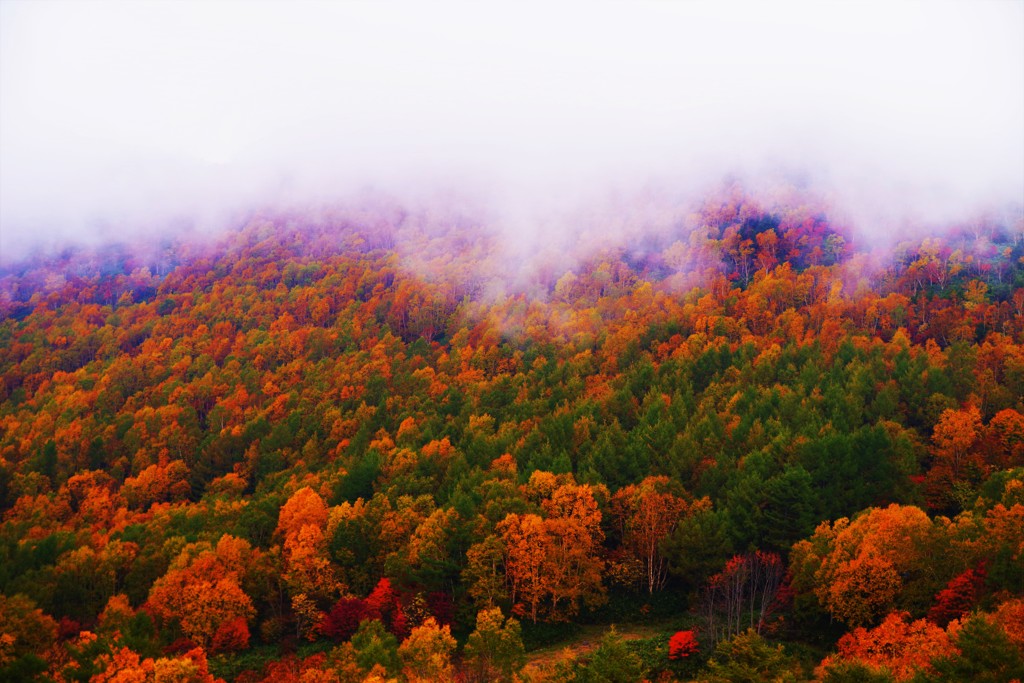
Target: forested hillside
383,442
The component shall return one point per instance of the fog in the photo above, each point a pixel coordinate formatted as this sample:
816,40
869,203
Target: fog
127,118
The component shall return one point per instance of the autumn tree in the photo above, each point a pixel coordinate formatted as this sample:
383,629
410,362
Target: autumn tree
682,644
123,665
526,542
202,592
552,564
860,569
426,653
982,652
648,514
1005,437
573,565
343,619
901,646
494,651
117,613
484,575
157,483
744,594
954,450
302,523
959,596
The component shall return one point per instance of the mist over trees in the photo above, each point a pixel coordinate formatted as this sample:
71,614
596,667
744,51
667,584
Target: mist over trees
377,441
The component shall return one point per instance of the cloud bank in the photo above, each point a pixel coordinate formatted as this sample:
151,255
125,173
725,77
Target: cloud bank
120,117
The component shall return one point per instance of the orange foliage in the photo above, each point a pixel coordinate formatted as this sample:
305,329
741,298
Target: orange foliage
901,646
375,354
426,653
202,591
1010,616
305,507
855,568
1006,436
553,564
647,516
955,450
125,666
157,484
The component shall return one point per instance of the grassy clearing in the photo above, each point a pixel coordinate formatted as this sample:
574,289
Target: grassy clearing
587,638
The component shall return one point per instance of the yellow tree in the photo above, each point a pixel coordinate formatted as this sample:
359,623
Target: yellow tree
426,653
494,651
484,574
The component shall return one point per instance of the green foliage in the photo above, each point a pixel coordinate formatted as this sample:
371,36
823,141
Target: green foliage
698,547
25,668
856,672
372,644
543,634
494,651
749,658
309,350
612,662
358,483
788,508
851,471
986,655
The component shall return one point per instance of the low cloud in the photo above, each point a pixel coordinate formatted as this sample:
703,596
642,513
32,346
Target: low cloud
120,119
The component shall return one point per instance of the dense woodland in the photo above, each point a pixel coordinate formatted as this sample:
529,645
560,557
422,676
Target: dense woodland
378,442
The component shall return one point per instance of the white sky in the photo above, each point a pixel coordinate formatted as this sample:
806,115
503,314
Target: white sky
118,115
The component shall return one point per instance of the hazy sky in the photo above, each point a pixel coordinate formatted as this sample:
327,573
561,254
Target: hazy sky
120,115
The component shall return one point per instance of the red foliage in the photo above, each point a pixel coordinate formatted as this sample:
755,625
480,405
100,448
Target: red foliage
380,603
903,647
745,593
68,628
384,603
959,596
400,625
288,669
442,607
682,645
180,646
343,619
232,636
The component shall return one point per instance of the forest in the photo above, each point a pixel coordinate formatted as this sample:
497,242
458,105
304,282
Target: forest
732,440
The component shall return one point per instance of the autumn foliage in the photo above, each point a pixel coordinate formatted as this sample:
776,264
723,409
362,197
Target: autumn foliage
682,645
959,597
898,644
361,429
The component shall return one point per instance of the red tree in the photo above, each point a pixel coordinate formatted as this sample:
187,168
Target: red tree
343,619
959,596
682,645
